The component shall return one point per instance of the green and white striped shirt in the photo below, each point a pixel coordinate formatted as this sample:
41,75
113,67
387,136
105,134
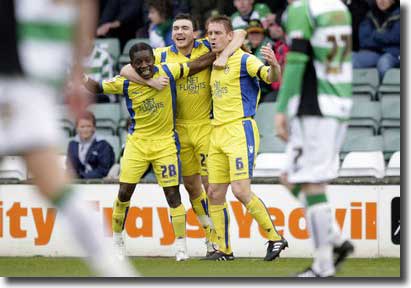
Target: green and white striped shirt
326,24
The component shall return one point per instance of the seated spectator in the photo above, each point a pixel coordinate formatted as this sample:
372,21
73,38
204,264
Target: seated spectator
247,10
277,35
121,19
160,15
379,37
88,156
256,39
98,66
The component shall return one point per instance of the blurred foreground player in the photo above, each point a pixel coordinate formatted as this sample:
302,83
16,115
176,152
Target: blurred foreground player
314,105
32,71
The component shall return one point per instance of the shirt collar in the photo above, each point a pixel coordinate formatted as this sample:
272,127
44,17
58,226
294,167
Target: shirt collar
175,50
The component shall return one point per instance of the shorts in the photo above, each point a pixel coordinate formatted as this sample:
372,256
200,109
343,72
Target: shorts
162,154
233,150
28,116
312,152
194,141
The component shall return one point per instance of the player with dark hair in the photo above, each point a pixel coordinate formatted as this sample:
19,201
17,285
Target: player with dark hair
152,138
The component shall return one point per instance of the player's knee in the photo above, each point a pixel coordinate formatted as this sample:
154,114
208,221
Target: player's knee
173,196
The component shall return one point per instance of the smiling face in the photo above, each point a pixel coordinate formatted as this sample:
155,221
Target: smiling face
183,33
384,5
143,63
219,36
85,129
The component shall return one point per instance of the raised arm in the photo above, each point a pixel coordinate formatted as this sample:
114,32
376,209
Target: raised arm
201,63
237,42
269,56
91,85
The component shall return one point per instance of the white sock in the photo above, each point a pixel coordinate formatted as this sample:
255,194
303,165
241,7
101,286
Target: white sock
87,230
320,221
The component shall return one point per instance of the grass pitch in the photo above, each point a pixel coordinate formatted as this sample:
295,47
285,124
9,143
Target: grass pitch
168,267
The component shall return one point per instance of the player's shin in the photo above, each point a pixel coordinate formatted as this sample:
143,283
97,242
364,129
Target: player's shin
178,220
200,207
320,223
221,219
259,212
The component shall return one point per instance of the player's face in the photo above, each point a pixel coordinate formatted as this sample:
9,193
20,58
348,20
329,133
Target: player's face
244,6
183,33
143,63
85,129
218,36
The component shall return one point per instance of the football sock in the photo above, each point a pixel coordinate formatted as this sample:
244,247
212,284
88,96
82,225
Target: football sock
120,211
200,207
83,223
221,220
320,220
259,212
178,220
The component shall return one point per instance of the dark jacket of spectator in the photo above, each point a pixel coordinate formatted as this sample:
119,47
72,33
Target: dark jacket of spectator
380,31
98,161
358,9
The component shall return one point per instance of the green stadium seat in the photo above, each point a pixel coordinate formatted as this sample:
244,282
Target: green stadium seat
353,143
365,113
269,142
115,143
112,45
392,141
390,83
107,115
391,112
365,82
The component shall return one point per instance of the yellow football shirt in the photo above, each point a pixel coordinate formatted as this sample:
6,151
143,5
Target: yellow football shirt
193,92
152,112
235,90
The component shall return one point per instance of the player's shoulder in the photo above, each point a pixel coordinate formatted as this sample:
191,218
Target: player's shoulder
115,79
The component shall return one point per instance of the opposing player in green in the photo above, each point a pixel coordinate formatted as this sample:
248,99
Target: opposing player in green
314,105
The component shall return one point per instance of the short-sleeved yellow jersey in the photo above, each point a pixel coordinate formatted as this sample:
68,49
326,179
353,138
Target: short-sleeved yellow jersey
235,90
152,112
194,100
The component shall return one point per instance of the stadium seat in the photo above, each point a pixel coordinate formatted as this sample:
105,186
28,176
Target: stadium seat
392,141
13,168
114,172
353,143
362,164
269,164
107,116
365,113
269,142
391,112
390,83
125,58
115,143
111,45
365,82
394,167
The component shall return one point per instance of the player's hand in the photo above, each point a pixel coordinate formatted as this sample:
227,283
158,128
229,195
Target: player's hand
159,83
220,62
269,55
281,126
77,98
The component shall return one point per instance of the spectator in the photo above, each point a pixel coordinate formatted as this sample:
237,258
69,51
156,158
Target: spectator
98,66
160,15
277,35
358,9
202,10
247,10
380,37
256,39
88,156
121,19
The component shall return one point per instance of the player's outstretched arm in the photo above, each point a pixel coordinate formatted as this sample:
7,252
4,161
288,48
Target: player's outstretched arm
237,42
201,63
128,72
91,85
